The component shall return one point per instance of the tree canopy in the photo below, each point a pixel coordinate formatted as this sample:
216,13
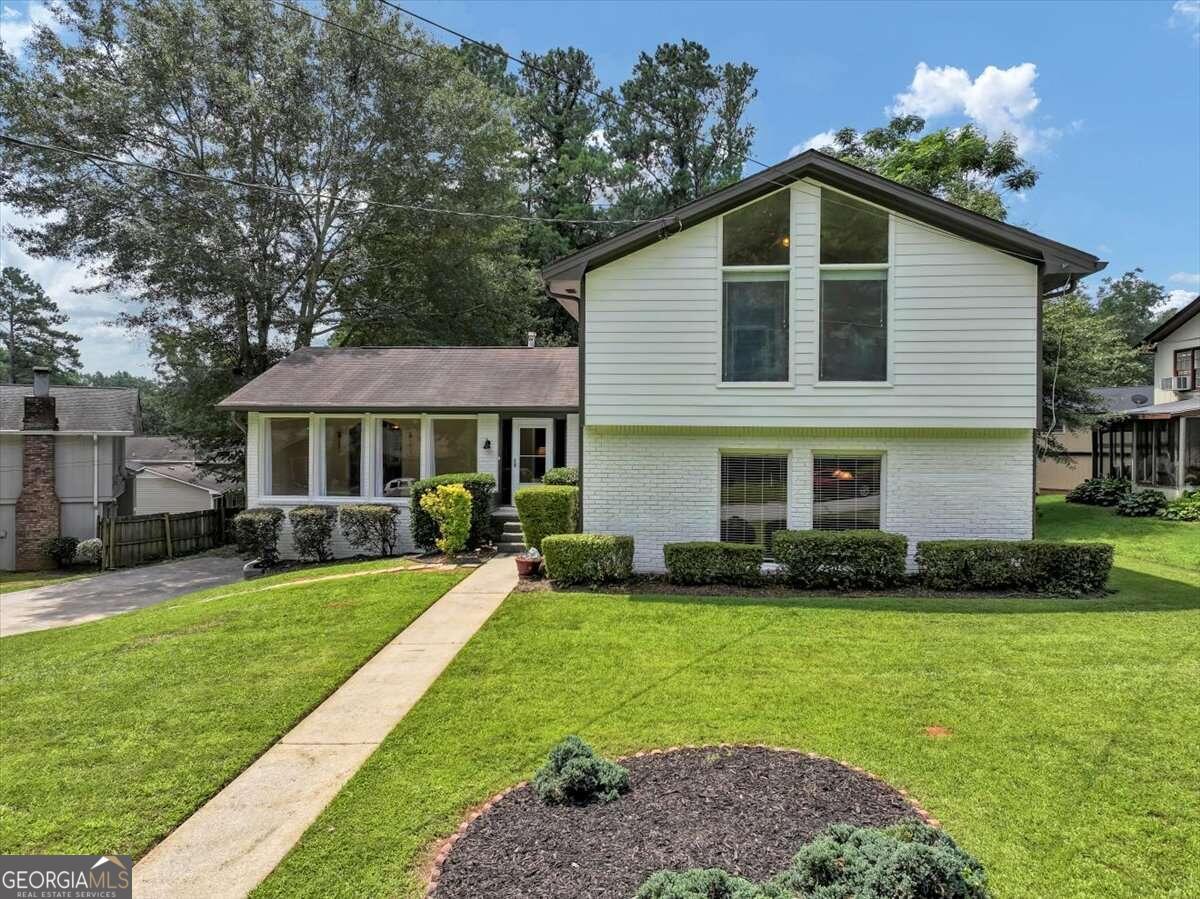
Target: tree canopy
33,331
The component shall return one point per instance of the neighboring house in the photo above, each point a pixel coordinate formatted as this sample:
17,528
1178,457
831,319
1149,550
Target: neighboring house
1062,475
812,347
1159,445
61,462
349,425
167,477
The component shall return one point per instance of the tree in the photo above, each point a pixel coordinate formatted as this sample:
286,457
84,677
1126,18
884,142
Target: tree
154,412
1135,306
960,165
33,331
679,132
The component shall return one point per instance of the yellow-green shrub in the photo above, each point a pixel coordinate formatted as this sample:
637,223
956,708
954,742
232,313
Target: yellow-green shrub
450,506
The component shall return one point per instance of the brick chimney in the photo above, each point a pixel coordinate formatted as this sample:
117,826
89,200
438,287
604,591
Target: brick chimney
37,512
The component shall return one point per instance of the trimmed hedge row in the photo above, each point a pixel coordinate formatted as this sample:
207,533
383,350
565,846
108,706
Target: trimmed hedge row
588,558
702,562
564,476
841,560
257,533
312,531
1025,565
547,510
480,485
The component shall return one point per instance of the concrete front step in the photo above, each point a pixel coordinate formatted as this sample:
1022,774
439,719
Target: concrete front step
511,546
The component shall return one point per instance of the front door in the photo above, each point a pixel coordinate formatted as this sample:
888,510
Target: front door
532,450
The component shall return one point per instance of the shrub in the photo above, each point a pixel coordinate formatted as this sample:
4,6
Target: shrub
60,549
547,510
574,775
704,883
90,551
1141,503
479,484
1100,491
565,476
257,533
1027,565
1184,508
842,560
370,527
588,558
713,563
312,531
450,507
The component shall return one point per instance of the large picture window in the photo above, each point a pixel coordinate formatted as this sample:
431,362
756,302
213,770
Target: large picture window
846,492
343,457
755,256
289,456
854,279
453,445
753,498
399,454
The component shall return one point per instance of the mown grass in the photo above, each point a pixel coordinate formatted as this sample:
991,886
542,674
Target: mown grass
12,581
113,732
1070,768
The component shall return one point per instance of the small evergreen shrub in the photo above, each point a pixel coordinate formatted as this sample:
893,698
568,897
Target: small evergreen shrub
1100,491
1022,565
480,485
713,563
60,549
1183,508
705,883
312,531
588,558
1141,503
257,532
450,506
841,560
574,775
370,527
89,552
564,476
547,510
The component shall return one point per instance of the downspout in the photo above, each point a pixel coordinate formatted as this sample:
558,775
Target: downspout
574,295
95,477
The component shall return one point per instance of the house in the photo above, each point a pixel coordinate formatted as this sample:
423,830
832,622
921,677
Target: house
812,347
61,462
347,425
1056,475
167,477
1159,445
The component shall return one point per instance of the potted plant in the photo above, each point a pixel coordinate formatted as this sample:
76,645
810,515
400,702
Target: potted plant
529,563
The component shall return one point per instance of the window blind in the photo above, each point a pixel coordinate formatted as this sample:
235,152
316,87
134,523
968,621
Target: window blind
846,492
753,498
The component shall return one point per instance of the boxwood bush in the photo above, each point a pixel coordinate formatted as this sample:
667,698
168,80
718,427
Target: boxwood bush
547,510
312,531
61,550
1025,565
564,476
479,484
703,562
574,775
1141,503
841,560
257,532
1100,491
370,527
588,558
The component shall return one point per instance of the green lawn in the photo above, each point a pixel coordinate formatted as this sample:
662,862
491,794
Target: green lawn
11,581
1072,768
113,732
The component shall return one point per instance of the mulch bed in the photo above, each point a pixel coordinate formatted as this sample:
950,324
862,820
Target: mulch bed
745,809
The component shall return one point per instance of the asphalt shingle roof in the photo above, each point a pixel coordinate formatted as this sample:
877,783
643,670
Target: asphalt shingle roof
77,408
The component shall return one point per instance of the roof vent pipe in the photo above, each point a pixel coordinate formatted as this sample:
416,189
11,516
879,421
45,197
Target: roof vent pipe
41,380
531,339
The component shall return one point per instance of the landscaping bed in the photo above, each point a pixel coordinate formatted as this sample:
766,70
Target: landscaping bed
746,809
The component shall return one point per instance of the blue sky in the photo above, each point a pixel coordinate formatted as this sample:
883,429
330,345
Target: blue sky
1105,98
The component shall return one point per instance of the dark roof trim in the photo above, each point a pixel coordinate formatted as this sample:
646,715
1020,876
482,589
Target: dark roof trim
1173,323
358,409
1062,262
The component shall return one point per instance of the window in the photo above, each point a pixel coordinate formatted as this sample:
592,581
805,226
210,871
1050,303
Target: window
453,445
1157,452
846,492
854,276
531,456
755,255
753,498
288,456
343,457
400,454
1186,364
1191,452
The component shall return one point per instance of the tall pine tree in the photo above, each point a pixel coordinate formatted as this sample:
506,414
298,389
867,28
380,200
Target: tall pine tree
33,331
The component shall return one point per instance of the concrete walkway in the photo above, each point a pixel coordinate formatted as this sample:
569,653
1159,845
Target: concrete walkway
74,602
234,841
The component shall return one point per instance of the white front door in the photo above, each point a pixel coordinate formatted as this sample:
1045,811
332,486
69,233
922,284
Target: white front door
532,450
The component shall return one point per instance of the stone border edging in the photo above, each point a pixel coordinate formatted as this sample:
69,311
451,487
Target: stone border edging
445,846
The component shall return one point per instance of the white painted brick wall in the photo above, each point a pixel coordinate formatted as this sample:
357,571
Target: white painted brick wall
341,548
663,489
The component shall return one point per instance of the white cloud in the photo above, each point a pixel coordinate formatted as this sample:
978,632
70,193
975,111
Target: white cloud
1187,279
1177,299
17,24
998,101
1186,14
816,142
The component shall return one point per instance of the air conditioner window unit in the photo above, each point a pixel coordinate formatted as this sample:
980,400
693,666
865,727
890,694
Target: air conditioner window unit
1167,383
1183,382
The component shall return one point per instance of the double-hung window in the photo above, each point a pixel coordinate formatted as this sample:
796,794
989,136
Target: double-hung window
854,286
755,260
1187,364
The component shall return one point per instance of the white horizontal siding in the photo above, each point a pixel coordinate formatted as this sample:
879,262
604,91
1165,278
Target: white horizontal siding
963,336
154,494
1184,337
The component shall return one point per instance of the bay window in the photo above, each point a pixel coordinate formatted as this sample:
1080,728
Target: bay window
756,274
288,456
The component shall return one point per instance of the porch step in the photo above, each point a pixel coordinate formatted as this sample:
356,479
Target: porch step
512,538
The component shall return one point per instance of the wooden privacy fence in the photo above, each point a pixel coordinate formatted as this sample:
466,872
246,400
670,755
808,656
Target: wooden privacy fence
135,539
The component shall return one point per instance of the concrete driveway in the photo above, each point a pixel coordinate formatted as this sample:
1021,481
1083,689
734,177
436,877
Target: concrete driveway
74,602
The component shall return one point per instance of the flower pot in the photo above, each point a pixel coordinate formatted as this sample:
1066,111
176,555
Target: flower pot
527,567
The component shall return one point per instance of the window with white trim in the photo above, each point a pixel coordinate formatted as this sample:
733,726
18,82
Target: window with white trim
287,455
753,497
454,445
756,272
399,455
854,284
343,456
847,492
